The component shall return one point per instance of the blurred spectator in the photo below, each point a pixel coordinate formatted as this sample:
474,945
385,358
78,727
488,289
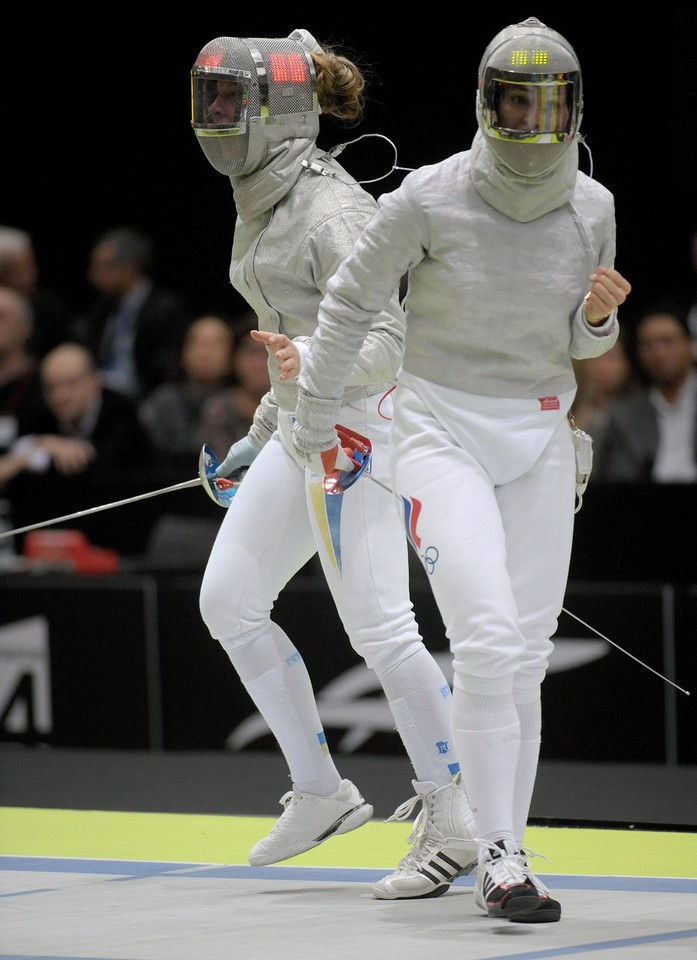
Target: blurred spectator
227,416
172,412
19,269
135,327
84,440
651,435
600,380
20,388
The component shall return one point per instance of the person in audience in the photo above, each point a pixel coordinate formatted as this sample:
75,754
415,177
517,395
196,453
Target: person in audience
20,388
173,412
229,413
600,380
651,435
136,326
19,269
83,442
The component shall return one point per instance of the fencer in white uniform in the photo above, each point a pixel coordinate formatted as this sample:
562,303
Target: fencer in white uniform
509,250
256,104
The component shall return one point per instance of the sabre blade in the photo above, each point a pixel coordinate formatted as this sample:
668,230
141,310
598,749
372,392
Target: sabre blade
379,483
220,490
104,506
626,652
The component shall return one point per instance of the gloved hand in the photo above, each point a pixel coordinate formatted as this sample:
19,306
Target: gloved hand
324,462
338,459
314,435
240,455
359,451
343,462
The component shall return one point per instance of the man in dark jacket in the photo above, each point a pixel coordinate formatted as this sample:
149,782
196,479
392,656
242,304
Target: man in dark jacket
84,446
651,435
136,326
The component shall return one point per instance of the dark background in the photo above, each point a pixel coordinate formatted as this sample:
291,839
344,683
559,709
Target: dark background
95,113
96,131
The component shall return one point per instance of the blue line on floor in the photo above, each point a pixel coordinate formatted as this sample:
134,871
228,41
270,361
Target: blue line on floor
127,869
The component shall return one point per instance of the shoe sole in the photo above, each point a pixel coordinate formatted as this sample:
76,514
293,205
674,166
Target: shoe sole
435,891
549,911
350,821
520,908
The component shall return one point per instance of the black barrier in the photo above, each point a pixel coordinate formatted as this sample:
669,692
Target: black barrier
125,661
79,661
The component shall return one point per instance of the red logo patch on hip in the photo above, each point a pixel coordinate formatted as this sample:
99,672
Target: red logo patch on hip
548,403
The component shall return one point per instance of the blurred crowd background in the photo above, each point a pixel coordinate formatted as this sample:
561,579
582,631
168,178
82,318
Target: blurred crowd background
115,237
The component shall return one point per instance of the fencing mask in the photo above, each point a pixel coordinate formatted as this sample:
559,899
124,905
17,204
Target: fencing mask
529,97
248,92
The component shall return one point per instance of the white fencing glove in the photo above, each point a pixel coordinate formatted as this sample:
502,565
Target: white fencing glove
239,456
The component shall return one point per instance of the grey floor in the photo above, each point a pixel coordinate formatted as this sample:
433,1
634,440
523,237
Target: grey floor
87,910
76,909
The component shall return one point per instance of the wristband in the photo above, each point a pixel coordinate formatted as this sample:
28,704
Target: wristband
593,323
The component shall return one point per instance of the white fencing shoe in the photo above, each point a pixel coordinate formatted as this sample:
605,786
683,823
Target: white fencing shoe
309,820
503,887
444,843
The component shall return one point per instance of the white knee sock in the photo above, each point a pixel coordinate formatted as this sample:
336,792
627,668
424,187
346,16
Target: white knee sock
487,741
420,700
276,678
530,716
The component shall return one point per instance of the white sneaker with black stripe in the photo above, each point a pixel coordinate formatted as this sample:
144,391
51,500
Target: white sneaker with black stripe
503,887
308,820
444,843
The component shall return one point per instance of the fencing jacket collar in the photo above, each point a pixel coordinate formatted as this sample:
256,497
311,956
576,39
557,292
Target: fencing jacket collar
259,191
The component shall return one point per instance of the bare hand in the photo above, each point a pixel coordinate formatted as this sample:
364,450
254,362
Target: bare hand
609,290
69,454
282,349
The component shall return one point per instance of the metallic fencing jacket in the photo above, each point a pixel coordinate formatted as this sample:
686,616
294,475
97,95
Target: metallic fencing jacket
494,305
296,223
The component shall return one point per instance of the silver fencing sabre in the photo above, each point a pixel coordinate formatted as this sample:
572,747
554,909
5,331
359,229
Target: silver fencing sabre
340,481
641,662
218,488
